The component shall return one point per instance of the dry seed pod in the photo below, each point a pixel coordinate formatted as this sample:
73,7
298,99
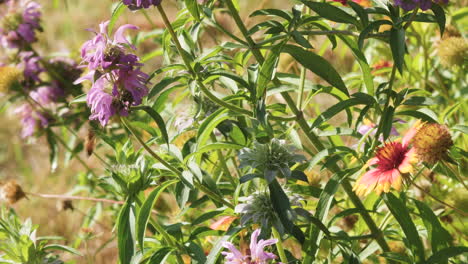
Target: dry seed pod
11,192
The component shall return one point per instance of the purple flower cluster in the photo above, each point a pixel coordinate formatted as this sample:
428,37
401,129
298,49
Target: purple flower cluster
18,27
139,4
257,254
31,68
118,82
409,5
31,120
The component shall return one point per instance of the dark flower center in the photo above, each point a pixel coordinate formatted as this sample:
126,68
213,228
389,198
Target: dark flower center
391,155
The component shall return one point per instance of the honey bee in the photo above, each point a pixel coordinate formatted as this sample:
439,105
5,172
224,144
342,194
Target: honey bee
90,142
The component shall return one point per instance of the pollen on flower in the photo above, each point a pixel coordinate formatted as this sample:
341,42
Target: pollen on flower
432,141
8,77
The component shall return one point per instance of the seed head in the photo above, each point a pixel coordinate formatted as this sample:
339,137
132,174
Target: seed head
11,192
453,51
432,141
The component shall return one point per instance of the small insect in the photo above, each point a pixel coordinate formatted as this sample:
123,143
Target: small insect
90,142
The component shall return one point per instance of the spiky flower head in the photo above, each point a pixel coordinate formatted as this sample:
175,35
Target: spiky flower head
257,208
9,78
11,192
270,159
453,51
432,142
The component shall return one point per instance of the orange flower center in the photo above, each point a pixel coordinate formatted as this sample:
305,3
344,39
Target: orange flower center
391,155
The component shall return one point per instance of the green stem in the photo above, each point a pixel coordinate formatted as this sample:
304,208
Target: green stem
310,135
222,160
202,187
279,245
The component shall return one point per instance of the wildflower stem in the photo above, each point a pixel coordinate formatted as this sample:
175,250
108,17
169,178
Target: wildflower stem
194,74
72,197
309,133
202,187
279,245
461,212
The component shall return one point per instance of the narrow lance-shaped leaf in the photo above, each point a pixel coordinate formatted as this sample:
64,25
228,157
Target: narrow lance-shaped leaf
145,211
401,214
397,45
317,65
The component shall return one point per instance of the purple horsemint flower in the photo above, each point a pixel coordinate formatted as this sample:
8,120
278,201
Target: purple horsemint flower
46,95
409,5
102,52
139,4
257,255
368,126
120,83
18,27
31,68
31,120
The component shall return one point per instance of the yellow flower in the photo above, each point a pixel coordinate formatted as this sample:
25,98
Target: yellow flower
9,76
453,51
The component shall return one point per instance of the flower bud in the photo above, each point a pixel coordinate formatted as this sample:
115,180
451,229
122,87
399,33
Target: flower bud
432,141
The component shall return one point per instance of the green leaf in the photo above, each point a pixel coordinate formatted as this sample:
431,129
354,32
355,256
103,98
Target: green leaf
62,248
145,211
401,214
214,146
162,84
158,119
53,148
267,70
396,257
80,99
439,237
118,10
361,12
331,12
282,206
424,114
334,110
192,7
445,254
124,234
440,17
160,255
317,65
210,123
321,213
367,30
397,44
218,246
365,69
272,12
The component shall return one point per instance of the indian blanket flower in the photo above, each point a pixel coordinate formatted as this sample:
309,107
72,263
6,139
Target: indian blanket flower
139,4
391,161
256,254
18,27
120,82
31,120
432,142
271,159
